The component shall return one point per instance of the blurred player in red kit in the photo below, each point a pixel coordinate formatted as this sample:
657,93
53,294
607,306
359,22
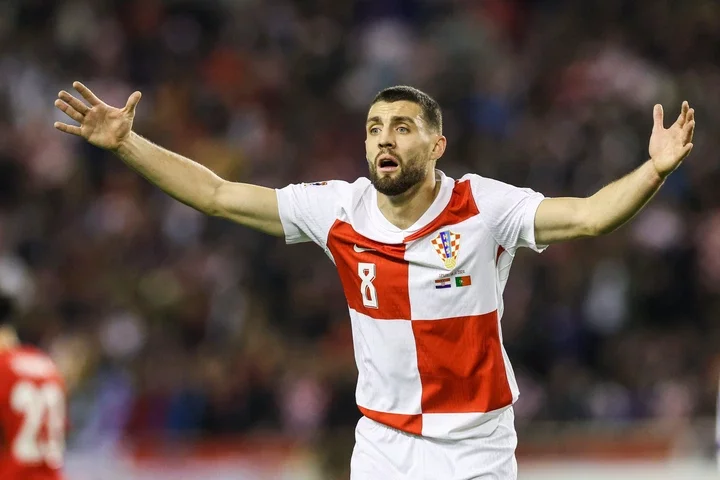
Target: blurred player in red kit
32,407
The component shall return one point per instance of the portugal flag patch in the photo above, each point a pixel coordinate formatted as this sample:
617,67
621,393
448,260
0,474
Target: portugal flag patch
463,281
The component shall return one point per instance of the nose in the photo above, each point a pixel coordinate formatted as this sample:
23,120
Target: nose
386,139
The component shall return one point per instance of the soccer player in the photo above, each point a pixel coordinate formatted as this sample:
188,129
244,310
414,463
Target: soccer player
32,408
423,260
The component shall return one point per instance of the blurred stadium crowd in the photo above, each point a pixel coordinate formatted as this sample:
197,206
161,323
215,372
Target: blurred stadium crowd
172,323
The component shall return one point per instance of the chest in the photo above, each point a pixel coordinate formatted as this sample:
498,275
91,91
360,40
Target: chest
450,272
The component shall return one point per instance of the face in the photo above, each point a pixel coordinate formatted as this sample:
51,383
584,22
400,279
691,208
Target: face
400,147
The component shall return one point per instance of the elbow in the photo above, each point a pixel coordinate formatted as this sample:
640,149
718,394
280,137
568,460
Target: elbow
213,205
597,230
591,223
597,227
585,230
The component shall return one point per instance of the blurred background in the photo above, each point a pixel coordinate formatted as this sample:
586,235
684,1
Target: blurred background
196,348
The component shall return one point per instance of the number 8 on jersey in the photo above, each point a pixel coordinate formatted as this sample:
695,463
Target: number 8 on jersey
367,289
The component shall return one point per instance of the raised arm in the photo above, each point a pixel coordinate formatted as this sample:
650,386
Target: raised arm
189,182
559,219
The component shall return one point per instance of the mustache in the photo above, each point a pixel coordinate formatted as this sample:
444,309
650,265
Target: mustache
387,152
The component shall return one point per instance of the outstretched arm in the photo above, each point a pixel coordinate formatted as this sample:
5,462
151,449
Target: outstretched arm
189,182
559,219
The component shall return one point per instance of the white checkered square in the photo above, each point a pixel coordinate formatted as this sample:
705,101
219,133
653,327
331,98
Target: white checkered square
386,358
430,303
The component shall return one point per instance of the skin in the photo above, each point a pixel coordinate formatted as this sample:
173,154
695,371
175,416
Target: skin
398,129
567,218
8,338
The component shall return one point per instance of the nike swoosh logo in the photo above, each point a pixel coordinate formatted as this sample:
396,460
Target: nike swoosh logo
361,250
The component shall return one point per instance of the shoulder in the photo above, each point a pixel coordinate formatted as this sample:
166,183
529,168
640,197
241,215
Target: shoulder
31,362
483,186
489,190
329,193
337,188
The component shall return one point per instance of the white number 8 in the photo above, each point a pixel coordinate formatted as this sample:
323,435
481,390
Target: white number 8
42,406
367,289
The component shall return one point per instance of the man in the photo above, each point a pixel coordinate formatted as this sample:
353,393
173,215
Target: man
32,408
423,261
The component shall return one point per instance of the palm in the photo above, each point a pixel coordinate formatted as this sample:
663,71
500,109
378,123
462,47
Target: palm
105,126
100,124
669,146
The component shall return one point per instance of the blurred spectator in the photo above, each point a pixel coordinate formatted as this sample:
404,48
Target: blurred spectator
188,325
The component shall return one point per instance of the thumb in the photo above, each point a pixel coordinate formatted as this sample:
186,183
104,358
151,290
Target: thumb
658,117
132,102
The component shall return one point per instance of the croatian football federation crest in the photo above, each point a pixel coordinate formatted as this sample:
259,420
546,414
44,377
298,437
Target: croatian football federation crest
447,245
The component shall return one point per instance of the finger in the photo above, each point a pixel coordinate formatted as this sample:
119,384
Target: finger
132,102
688,131
682,118
686,150
64,127
658,117
69,111
73,102
86,93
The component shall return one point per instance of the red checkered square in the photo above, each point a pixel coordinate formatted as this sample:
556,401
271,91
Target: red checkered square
461,364
438,247
391,275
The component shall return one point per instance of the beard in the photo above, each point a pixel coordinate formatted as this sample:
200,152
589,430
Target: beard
411,173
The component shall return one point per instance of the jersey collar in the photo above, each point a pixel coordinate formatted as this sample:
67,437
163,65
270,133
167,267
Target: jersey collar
436,208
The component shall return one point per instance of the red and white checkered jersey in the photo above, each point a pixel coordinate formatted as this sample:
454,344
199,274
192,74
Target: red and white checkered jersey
425,303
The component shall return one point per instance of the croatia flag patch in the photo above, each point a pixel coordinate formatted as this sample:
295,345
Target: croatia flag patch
443,283
463,281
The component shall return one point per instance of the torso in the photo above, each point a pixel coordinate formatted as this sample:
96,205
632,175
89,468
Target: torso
32,416
424,305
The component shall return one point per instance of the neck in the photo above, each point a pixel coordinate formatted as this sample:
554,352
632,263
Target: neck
8,338
405,209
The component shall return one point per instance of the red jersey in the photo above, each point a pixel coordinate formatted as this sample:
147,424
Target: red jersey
32,416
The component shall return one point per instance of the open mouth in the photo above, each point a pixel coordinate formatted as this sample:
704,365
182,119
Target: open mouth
386,163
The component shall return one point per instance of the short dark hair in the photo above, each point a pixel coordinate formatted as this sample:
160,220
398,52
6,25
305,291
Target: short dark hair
430,108
7,310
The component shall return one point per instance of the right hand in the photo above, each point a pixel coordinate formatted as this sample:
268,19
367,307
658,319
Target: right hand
100,124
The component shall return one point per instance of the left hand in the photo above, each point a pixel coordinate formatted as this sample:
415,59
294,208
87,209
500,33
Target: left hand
669,147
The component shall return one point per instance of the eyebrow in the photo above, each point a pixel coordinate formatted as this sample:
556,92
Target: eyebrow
396,119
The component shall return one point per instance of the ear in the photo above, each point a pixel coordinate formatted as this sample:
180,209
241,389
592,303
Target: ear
439,147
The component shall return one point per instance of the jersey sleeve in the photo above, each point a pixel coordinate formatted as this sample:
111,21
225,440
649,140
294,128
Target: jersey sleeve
309,210
508,212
